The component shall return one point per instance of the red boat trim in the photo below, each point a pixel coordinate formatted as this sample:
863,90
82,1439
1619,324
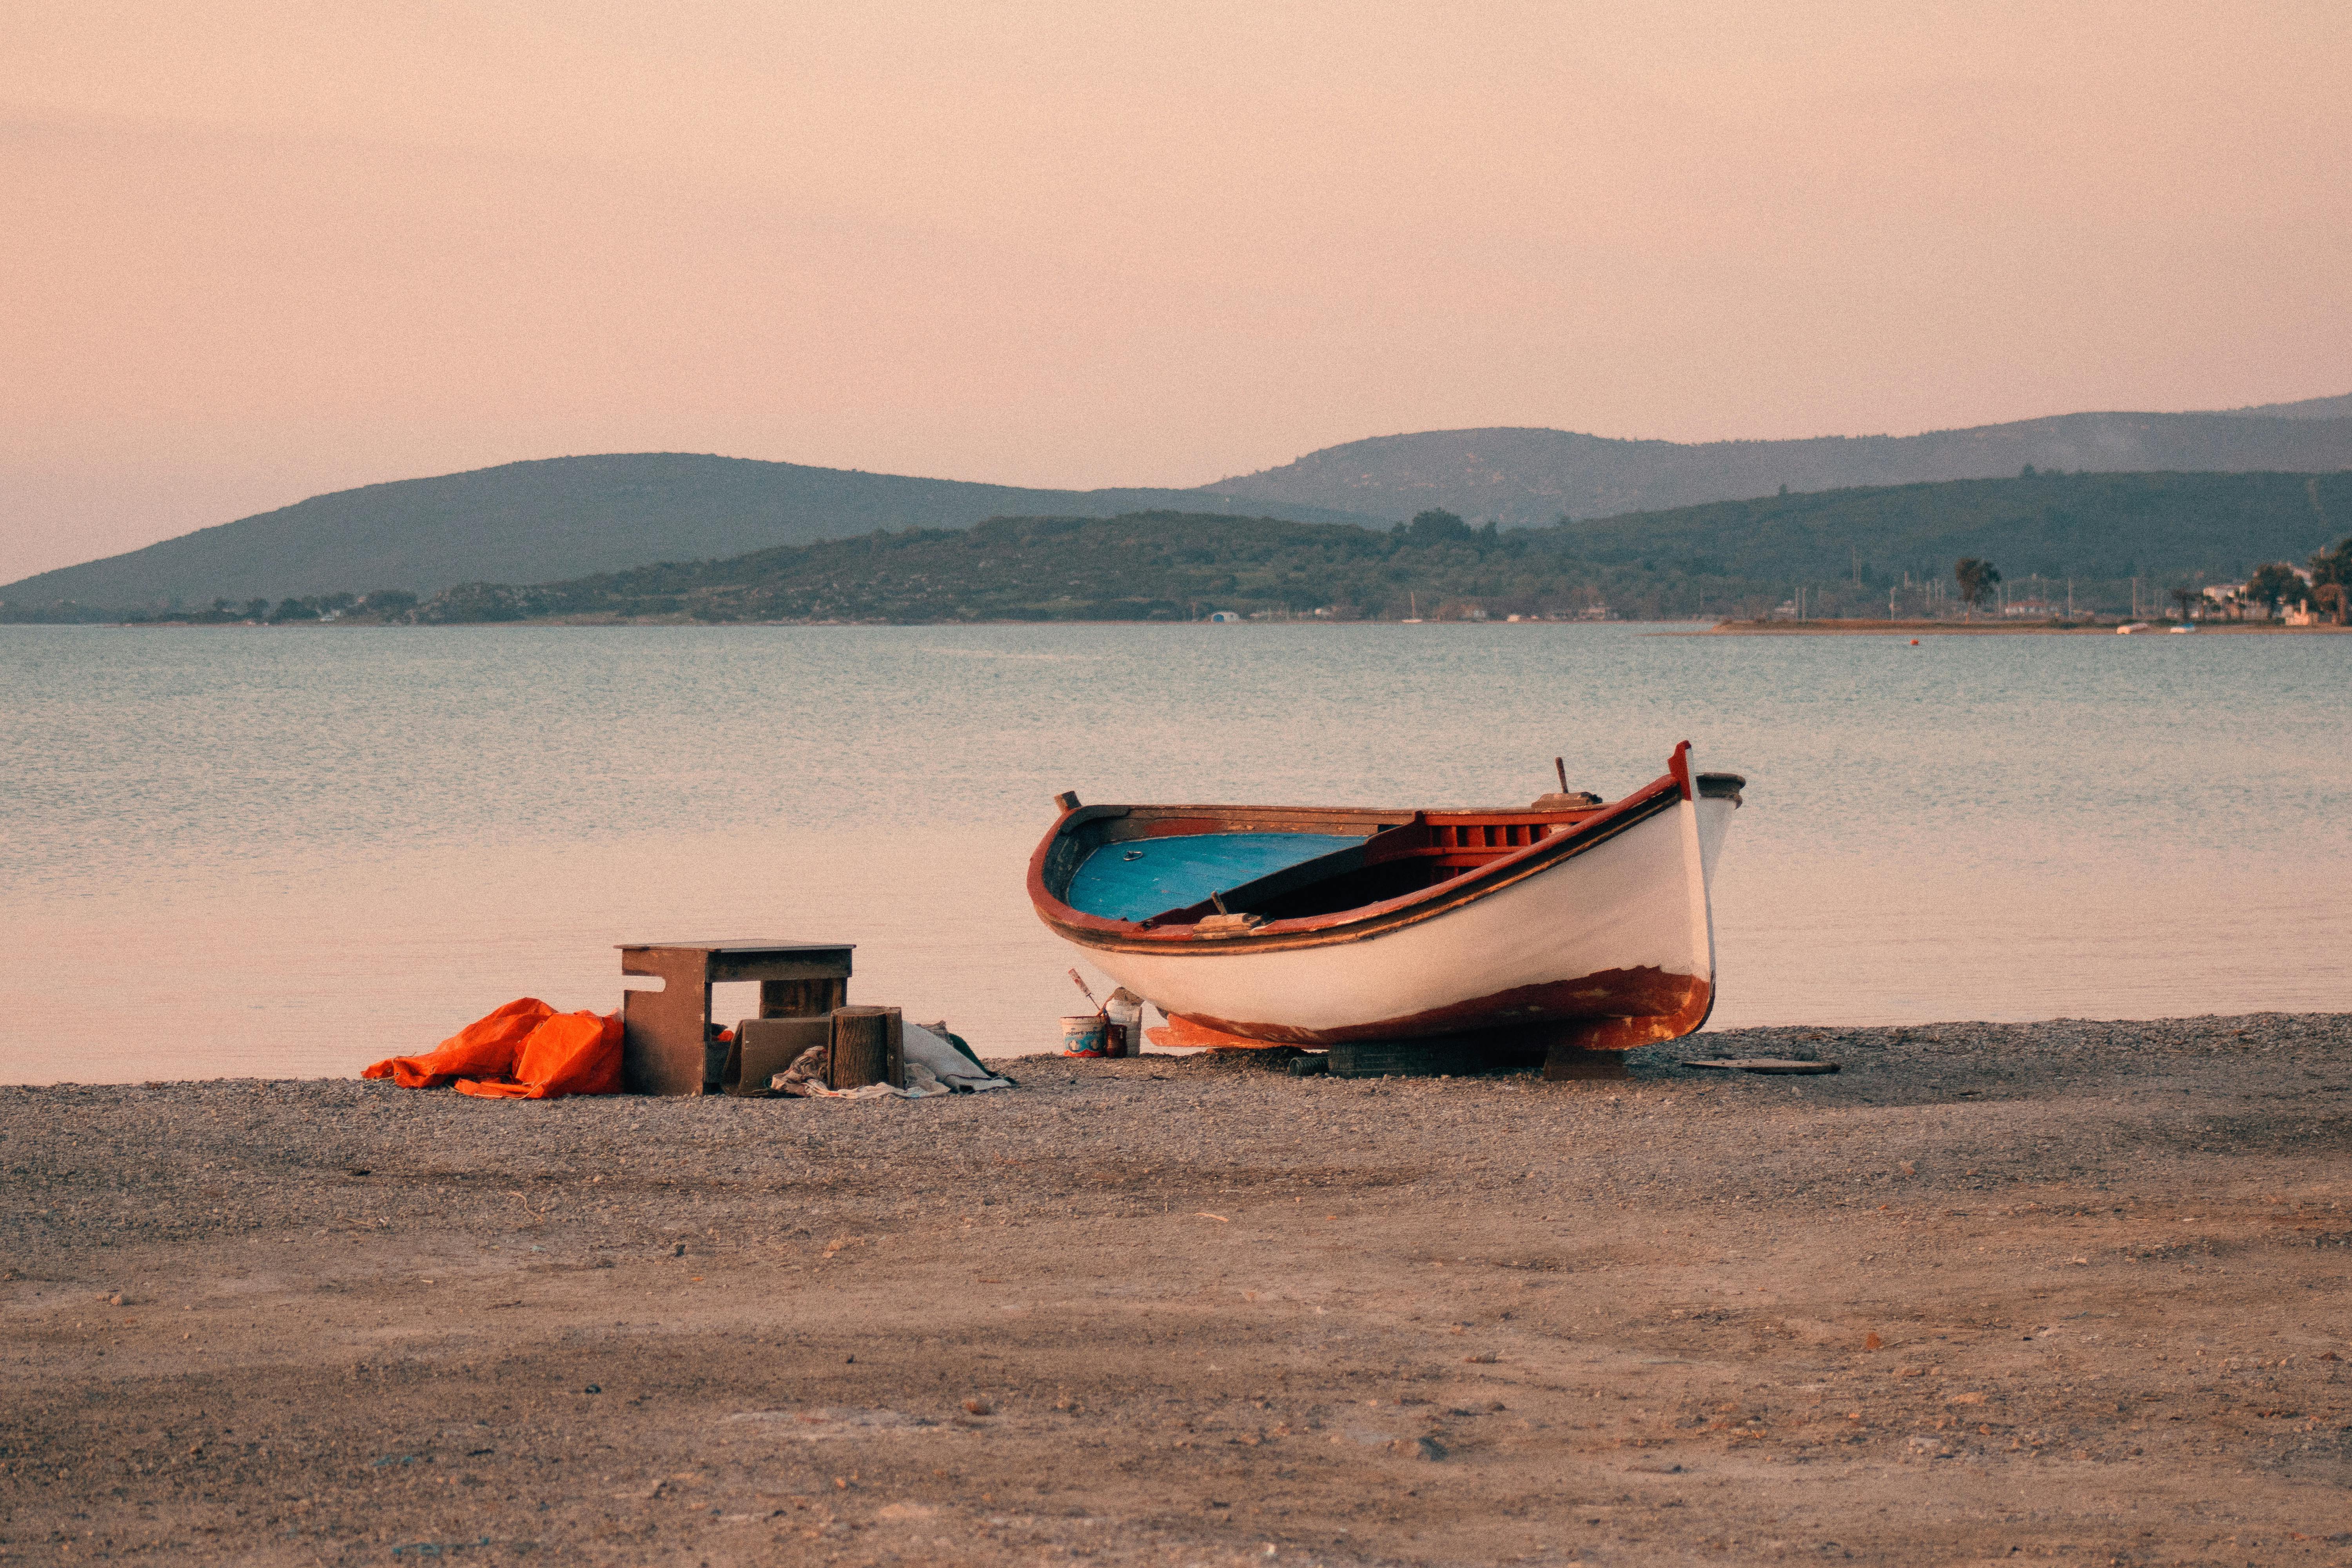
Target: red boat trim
1682,1002
1366,921
1604,1002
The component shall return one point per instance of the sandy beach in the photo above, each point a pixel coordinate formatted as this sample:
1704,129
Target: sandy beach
2068,1290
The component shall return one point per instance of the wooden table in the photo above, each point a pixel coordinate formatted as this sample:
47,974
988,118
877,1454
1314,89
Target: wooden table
664,1033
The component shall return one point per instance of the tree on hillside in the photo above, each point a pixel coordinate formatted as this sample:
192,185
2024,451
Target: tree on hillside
2276,583
2331,580
387,601
1437,527
1976,579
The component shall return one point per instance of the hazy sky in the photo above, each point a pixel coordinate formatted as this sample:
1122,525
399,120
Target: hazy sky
255,250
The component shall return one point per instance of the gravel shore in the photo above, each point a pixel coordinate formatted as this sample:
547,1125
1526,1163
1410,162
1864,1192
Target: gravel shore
2071,1289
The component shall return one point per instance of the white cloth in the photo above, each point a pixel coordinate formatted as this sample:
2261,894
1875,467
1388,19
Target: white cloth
864,1091
948,1064
933,1067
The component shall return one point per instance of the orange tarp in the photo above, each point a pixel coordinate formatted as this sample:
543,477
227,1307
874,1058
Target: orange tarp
525,1050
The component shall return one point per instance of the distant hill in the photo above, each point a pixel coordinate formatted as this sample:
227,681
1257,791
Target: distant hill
573,517
1530,477
564,517
1848,548
2309,408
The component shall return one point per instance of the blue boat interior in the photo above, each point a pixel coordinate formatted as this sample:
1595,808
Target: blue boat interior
1145,877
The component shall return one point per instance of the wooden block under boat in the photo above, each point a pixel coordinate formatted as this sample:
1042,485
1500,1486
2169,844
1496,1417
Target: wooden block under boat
1455,1057
1568,1064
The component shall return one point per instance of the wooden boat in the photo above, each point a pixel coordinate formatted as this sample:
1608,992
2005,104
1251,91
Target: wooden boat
1579,925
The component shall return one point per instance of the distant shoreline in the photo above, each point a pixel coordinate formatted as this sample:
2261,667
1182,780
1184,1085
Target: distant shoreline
1995,629
1719,628
659,622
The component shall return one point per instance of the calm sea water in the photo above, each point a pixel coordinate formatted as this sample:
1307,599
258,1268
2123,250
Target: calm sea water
289,852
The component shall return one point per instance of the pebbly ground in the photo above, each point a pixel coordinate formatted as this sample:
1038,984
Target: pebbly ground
2068,1290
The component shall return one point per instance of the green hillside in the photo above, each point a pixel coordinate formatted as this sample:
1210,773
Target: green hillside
1848,548
528,523
2089,526
569,517
1532,477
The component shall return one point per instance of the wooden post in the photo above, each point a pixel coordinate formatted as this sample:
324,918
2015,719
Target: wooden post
861,1047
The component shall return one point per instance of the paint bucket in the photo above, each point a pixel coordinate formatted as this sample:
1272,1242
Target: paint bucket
1125,1011
1082,1035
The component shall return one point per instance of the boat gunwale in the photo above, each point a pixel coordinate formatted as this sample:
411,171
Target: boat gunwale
1591,829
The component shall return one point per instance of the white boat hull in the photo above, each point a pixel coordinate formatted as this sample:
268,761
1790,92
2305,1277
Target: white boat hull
1622,931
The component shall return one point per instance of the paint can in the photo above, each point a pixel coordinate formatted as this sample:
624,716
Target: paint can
1082,1035
1125,1011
